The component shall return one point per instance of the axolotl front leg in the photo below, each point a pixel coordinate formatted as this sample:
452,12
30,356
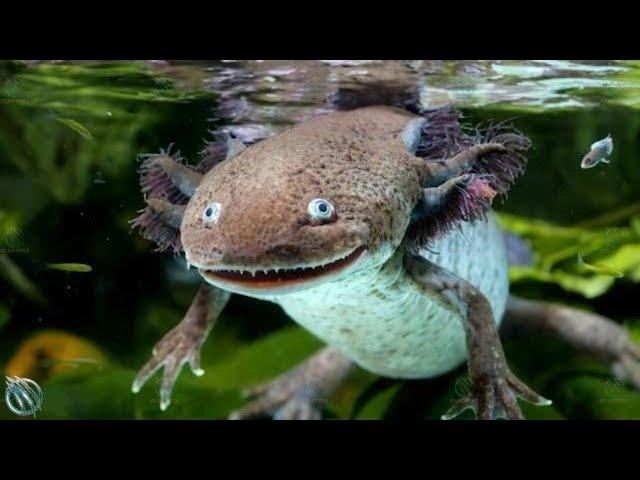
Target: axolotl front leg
183,343
168,183
494,387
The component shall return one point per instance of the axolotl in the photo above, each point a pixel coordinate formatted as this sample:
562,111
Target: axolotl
372,228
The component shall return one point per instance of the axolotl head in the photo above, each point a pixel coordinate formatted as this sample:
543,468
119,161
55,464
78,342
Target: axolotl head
324,199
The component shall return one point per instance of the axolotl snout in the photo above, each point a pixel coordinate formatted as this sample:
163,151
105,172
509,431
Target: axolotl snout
371,228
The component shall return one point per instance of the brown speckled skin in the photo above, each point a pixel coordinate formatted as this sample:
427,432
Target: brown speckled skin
356,160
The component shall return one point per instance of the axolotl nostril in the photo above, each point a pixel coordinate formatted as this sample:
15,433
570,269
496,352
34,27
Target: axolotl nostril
372,228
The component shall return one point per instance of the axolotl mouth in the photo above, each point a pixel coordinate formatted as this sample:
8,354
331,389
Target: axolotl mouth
280,280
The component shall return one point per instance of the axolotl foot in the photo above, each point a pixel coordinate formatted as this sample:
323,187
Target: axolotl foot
182,344
300,393
174,350
493,398
282,399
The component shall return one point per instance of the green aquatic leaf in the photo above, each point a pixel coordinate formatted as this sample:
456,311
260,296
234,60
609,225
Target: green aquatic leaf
262,360
70,267
14,275
378,405
597,397
627,259
76,127
590,287
12,242
582,260
599,268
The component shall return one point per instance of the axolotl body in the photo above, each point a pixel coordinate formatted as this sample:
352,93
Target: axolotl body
372,229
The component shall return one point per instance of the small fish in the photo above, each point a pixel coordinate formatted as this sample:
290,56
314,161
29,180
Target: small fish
70,267
599,269
599,152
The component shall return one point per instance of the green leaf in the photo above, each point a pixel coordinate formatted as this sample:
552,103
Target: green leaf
262,360
76,127
70,267
589,286
582,260
377,406
14,275
592,397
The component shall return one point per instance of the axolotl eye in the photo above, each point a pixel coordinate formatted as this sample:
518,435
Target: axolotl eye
320,209
211,213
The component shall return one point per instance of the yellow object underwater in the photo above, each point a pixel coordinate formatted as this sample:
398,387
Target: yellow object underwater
51,352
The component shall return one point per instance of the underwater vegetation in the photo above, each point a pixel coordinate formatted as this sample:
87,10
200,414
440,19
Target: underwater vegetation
83,299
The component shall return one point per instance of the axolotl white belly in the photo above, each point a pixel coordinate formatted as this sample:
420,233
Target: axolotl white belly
386,323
